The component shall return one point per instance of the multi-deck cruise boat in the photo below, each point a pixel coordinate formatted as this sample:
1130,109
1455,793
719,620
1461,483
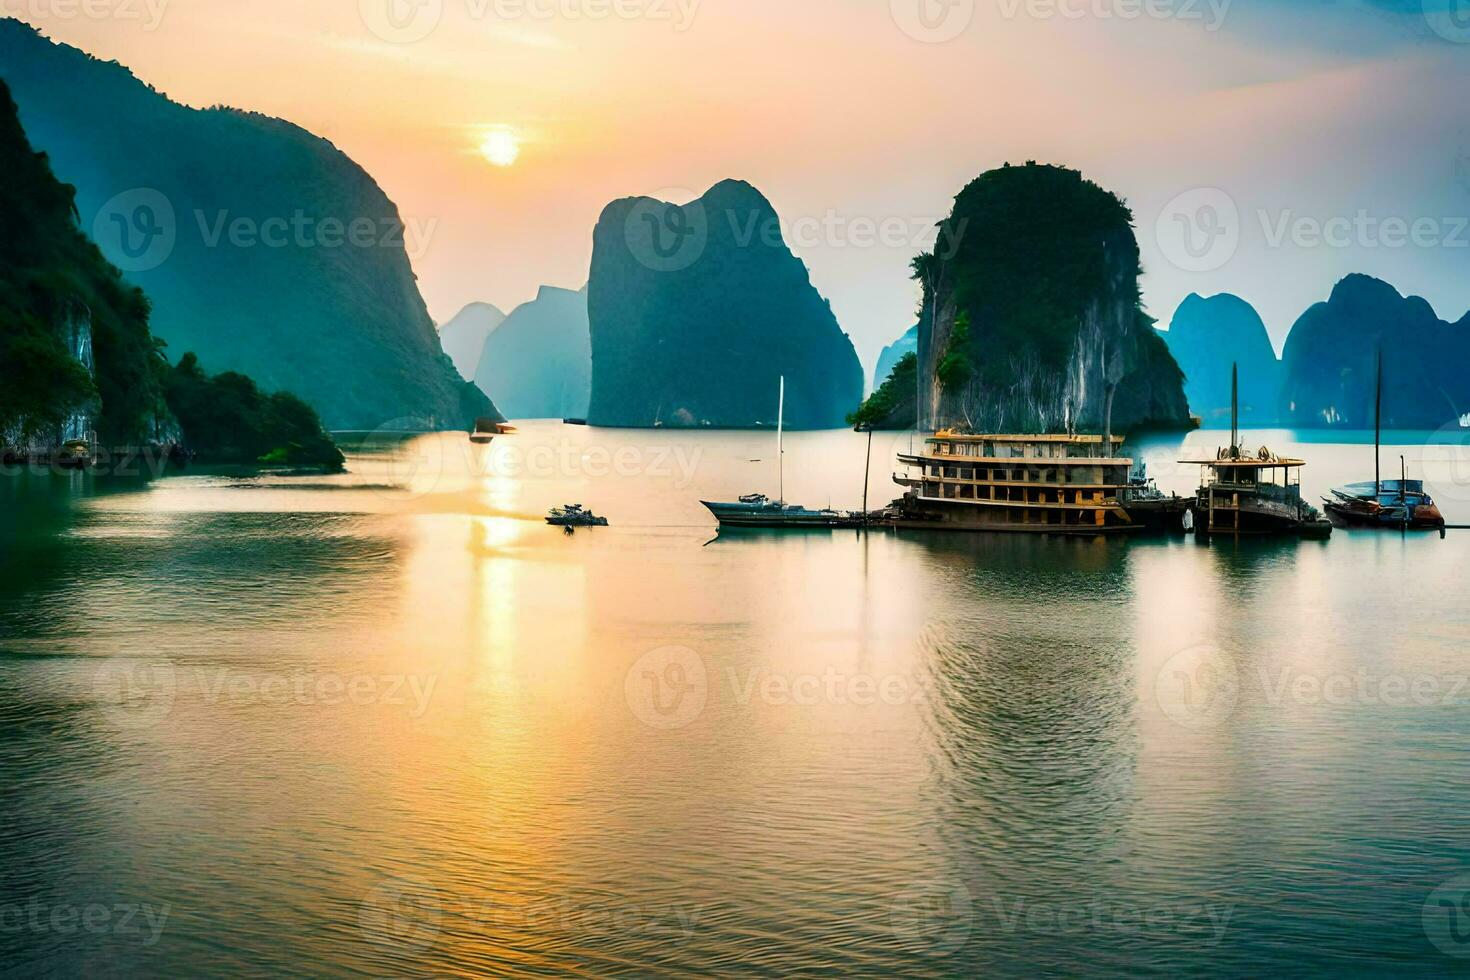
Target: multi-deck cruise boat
1051,484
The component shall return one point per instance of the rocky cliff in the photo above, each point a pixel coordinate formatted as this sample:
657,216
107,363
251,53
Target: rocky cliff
1207,336
75,349
1031,319
463,337
696,311
77,357
263,248
1330,361
538,363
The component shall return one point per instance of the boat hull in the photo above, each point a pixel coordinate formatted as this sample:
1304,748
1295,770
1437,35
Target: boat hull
1391,505
775,516
1245,513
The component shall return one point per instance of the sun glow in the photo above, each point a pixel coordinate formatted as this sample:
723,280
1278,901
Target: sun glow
501,147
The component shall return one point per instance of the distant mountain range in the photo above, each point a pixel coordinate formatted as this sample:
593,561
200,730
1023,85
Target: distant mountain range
696,311
1326,375
889,357
463,337
1207,336
539,361
262,247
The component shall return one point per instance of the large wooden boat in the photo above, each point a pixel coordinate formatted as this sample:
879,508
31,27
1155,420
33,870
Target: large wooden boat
1259,493
1049,484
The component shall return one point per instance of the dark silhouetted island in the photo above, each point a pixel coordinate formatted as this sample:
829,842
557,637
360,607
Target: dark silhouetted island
1031,320
1330,361
696,311
538,363
1209,334
263,248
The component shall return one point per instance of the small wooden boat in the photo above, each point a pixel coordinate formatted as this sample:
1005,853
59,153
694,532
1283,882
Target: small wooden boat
1398,504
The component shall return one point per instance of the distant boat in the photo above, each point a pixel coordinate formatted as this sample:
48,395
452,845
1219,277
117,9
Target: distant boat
758,510
1400,504
487,429
1239,492
574,515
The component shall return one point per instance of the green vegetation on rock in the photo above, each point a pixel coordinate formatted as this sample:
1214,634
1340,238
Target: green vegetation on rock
892,405
227,419
50,276
1031,319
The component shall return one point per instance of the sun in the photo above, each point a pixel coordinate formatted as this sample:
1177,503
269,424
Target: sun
501,147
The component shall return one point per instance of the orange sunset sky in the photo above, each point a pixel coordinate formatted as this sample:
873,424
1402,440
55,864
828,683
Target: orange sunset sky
851,115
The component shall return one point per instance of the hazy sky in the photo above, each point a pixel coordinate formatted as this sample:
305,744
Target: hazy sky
1267,148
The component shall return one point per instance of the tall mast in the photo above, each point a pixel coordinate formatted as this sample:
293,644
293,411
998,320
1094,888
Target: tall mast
780,443
1234,410
1378,429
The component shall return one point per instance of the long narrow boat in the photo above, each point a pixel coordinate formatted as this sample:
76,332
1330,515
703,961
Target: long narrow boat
1400,504
758,510
1396,504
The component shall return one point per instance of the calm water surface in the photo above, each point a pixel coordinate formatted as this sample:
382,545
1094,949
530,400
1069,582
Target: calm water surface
389,723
